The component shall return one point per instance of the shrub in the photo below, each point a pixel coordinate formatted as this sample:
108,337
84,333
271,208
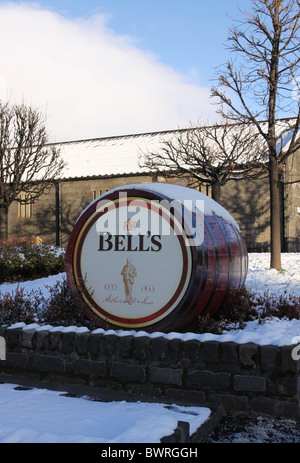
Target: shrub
242,306
237,309
19,306
286,305
23,260
239,306
60,309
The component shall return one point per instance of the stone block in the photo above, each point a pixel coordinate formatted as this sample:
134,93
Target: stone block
288,385
166,376
140,347
204,378
191,350
89,367
247,354
181,434
189,397
247,383
55,340
95,344
81,342
158,348
275,407
42,340
49,363
231,402
229,353
126,372
67,342
125,346
174,348
264,405
210,351
110,345
13,337
16,360
28,338
268,357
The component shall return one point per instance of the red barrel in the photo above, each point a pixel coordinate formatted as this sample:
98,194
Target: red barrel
154,257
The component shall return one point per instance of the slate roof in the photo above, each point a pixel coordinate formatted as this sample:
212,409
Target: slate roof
108,156
120,155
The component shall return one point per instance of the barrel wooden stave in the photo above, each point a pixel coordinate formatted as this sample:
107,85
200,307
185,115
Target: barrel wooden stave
219,266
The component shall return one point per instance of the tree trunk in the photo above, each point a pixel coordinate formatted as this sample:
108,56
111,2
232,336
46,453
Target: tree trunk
216,192
275,214
3,223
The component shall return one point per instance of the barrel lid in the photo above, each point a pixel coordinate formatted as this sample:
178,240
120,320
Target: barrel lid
128,262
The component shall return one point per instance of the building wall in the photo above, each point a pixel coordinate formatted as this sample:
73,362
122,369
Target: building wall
292,203
248,203
41,222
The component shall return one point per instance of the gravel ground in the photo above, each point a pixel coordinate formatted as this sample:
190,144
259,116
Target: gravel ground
243,429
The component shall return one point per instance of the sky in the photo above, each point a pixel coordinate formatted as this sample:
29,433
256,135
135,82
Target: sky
101,68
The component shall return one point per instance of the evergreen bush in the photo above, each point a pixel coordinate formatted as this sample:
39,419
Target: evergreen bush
23,260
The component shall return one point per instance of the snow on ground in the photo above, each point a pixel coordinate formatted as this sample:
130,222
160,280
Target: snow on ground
262,279
42,284
43,416
40,415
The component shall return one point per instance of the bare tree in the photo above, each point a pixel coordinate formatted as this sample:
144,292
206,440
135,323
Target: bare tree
212,155
258,88
27,164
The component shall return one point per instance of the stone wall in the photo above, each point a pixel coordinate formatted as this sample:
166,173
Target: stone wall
248,203
41,222
243,377
292,203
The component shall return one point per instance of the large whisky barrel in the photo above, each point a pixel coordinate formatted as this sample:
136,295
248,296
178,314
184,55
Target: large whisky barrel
154,257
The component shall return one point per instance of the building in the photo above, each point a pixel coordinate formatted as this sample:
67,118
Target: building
97,165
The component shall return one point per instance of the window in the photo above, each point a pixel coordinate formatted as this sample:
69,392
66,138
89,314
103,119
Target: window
24,206
96,193
205,188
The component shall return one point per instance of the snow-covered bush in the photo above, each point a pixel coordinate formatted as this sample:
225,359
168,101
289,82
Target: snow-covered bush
22,260
60,309
18,306
242,306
